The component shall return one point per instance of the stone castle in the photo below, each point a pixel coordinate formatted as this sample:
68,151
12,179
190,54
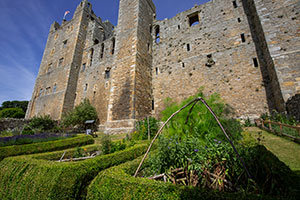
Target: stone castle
248,51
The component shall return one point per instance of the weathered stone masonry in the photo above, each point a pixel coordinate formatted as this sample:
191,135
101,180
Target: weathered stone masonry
246,50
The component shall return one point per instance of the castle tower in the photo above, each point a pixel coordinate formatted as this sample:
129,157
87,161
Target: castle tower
55,86
130,95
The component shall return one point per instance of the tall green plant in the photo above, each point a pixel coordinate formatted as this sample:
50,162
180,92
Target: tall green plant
142,128
200,122
81,113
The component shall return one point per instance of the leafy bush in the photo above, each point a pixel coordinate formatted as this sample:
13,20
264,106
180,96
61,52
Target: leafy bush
279,117
45,146
39,124
27,177
80,114
118,183
107,146
200,122
142,129
12,113
15,104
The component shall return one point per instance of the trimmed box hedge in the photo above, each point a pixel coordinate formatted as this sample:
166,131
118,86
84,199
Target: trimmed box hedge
25,177
118,183
45,146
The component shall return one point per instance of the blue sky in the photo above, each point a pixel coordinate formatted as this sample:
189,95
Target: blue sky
24,26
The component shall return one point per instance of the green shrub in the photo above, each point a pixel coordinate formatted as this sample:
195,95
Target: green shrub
12,113
80,114
26,177
118,183
280,117
107,146
45,146
142,129
15,104
40,124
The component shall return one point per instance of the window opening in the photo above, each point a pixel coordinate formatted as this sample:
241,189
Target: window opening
54,88
255,62
49,67
113,46
178,27
210,62
107,73
234,4
183,65
188,47
157,35
102,51
96,41
243,37
239,20
156,71
194,19
65,43
86,87
60,62
83,67
153,105
91,56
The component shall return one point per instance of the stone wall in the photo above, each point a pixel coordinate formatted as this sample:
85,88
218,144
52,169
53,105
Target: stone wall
10,124
217,53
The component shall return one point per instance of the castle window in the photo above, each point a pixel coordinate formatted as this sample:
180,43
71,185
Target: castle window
41,92
156,71
157,36
96,41
178,27
54,88
113,46
102,51
183,65
83,67
60,61
234,4
48,89
255,62
107,74
91,56
86,87
153,105
210,62
188,48
243,38
65,43
194,19
239,20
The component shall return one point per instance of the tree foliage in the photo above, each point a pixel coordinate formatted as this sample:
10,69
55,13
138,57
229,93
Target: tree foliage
15,104
81,113
12,113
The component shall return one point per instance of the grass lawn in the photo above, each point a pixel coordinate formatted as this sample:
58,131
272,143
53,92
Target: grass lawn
286,150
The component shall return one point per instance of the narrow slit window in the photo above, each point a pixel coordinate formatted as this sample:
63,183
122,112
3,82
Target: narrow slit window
183,65
255,62
54,88
102,51
194,19
83,67
65,43
150,29
86,87
243,37
91,56
234,4
107,74
188,48
178,27
153,105
157,35
239,20
156,71
113,46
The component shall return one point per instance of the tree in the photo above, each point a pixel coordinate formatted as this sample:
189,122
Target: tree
12,113
15,104
81,113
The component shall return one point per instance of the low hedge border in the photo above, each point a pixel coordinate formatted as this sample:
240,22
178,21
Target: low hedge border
118,183
45,146
25,177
